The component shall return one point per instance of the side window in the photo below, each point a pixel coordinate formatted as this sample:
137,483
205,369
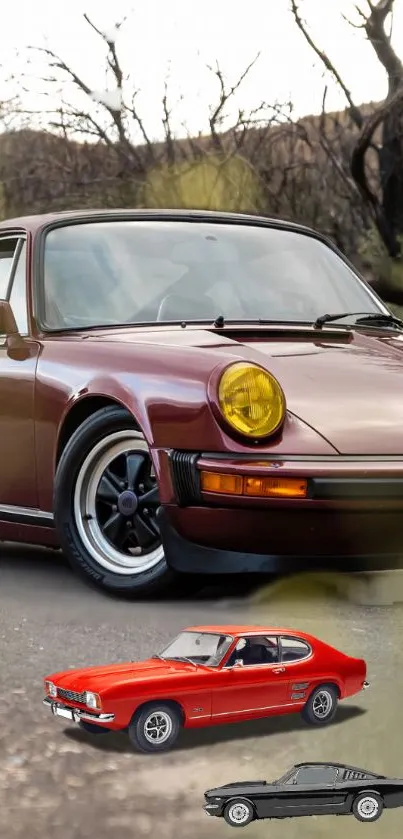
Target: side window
7,251
18,296
316,775
256,649
293,649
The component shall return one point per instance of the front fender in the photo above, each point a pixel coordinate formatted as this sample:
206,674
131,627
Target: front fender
163,387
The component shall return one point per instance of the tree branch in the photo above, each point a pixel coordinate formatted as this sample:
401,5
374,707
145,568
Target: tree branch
354,110
358,168
381,43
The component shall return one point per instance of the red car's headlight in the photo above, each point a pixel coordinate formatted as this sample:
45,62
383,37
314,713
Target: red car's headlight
92,700
50,689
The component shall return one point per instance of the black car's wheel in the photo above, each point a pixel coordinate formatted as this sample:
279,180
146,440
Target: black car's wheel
367,807
155,728
106,500
321,705
91,728
239,812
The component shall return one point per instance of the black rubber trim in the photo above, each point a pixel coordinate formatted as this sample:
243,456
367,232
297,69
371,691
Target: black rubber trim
20,518
356,488
191,558
186,478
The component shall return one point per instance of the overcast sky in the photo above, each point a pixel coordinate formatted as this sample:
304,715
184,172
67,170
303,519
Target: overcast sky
177,38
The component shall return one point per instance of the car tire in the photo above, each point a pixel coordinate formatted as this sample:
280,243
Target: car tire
143,732
321,705
91,728
367,807
103,445
239,812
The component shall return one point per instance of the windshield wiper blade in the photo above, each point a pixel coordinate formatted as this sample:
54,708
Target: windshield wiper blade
182,658
328,318
360,318
381,319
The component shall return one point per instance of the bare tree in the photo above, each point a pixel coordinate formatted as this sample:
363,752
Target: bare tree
379,133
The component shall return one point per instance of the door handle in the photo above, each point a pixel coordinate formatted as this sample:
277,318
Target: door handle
279,670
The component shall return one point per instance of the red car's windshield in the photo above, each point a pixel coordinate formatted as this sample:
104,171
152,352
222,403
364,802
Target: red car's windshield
118,272
199,647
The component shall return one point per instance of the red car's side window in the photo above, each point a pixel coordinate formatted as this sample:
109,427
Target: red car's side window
294,649
256,650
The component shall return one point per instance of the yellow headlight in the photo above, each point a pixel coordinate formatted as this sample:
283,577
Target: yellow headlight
251,400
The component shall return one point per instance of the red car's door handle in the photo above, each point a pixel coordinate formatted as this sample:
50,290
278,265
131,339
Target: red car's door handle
279,670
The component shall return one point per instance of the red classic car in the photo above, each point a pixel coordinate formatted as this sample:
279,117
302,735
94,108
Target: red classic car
174,396
209,675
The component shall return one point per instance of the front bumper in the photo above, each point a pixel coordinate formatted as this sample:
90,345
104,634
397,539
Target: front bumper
212,809
75,714
351,519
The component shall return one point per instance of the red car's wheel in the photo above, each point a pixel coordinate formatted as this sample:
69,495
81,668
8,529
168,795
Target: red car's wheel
155,728
321,705
106,499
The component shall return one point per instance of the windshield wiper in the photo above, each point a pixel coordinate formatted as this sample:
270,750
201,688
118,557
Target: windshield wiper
360,318
161,657
182,658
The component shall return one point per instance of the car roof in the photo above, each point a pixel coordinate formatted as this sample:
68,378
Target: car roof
35,223
245,629
337,766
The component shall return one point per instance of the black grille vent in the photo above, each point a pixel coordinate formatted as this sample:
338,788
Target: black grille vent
71,696
351,775
185,477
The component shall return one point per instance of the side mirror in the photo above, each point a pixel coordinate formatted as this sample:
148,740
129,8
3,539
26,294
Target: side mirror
8,325
16,346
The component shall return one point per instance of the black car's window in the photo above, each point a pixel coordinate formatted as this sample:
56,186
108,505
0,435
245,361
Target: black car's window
18,296
315,775
138,271
293,649
7,251
255,649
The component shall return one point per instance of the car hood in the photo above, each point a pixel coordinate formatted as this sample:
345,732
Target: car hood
238,787
96,678
346,385
349,392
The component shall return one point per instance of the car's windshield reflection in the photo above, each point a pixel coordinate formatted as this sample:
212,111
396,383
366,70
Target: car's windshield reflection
126,272
205,648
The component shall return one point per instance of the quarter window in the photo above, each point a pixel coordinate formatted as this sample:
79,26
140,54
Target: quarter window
293,649
18,296
7,251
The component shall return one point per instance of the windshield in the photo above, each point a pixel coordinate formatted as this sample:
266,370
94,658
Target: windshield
200,647
119,272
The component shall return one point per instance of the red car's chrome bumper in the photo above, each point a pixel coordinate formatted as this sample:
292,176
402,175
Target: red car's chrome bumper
352,510
75,715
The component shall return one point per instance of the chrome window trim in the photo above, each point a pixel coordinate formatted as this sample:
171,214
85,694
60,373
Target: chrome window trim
21,239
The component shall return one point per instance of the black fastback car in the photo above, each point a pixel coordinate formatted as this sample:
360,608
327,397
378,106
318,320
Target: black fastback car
308,789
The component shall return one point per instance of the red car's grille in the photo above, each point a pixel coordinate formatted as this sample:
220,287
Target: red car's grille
71,696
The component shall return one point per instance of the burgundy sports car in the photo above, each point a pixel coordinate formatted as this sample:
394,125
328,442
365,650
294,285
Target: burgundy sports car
194,392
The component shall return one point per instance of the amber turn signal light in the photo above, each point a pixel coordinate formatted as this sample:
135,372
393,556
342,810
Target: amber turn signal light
253,487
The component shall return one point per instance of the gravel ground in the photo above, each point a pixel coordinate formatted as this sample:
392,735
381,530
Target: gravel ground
56,780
